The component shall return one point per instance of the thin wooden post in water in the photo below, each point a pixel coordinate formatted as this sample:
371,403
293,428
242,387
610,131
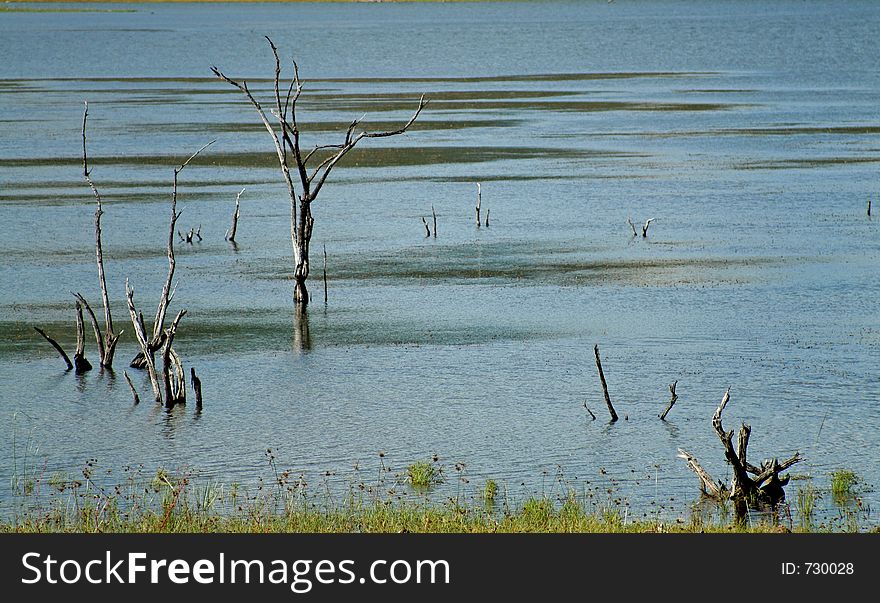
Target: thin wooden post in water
434,214
671,401
604,385
427,229
592,416
137,399
230,234
197,387
479,201
325,274
869,207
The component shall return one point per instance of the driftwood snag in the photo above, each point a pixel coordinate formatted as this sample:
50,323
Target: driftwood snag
750,486
671,401
479,202
230,234
286,140
604,385
434,214
427,228
197,387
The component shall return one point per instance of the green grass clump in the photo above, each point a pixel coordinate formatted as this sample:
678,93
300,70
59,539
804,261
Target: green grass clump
806,504
489,491
422,474
843,484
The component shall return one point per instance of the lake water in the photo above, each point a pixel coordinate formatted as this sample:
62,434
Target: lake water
749,130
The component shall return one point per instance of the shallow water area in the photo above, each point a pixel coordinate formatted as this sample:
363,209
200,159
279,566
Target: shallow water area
748,130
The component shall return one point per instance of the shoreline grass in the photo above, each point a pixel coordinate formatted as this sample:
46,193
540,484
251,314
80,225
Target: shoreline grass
167,502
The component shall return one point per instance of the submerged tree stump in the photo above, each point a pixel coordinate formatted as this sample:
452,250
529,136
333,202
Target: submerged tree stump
750,486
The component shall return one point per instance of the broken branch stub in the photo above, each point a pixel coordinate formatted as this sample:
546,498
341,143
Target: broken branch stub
672,400
80,362
604,385
57,347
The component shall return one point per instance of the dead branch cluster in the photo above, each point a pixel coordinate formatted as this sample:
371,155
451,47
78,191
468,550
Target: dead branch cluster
170,389
750,486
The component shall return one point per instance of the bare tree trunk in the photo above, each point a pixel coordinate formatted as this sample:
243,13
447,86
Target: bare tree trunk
434,214
107,344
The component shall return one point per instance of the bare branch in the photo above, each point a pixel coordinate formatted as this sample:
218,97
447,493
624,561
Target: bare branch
707,484
351,142
137,399
57,347
159,323
632,226
106,344
645,227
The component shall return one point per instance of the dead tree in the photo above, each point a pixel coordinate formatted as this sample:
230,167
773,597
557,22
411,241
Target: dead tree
107,342
434,214
644,228
158,336
869,207
286,140
672,400
230,234
427,228
604,385
764,490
